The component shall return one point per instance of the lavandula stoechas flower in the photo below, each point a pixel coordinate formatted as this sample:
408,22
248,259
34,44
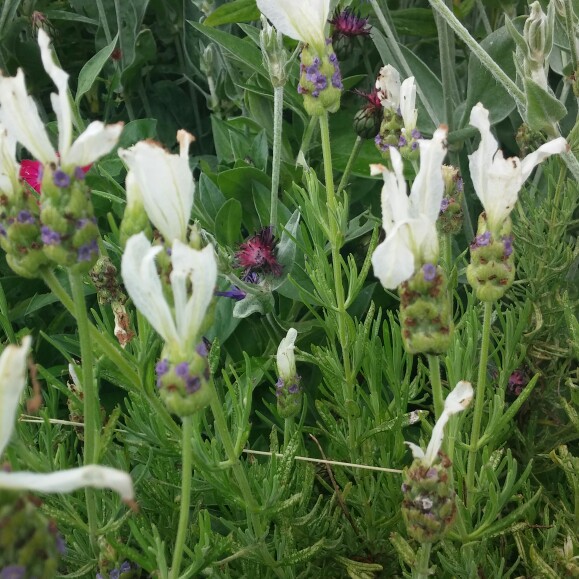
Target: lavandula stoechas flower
497,182
183,371
66,212
287,388
428,505
408,257
320,77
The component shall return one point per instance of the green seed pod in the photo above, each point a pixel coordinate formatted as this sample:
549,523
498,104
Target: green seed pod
425,314
320,81
30,545
428,506
185,386
367,122
69,230
104,276
491,271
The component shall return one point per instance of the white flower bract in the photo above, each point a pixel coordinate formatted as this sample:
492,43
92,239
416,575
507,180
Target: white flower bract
19,114
164,184
398,97
13,362
285,359
410,221
9,167
496,180
455,402
303,20
181,329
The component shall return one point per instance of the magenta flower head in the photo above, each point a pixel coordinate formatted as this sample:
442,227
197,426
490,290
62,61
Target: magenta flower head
257,254
349,23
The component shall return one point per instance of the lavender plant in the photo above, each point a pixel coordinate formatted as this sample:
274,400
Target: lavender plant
216,335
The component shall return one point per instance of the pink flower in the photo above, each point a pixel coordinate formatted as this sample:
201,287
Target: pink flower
31,172
257,254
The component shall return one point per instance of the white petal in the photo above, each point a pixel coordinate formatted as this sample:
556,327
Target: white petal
496,180
393,260
144,286
423,240
166,184
417,452
285,358
455,402
200,267
9,168
408,104
303,20
12,382
388,85
533,159
394,198
184,139
18,113
428,187
65,481
95,142
60,101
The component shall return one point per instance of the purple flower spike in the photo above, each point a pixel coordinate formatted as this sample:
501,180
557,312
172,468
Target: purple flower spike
429,271
48,236
60,178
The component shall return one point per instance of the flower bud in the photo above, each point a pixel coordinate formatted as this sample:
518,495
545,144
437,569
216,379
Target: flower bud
538,33
368,119
30,544
425,313
320,80
492,262
69,230
451,214
184,386
287,389
346,25
273,52
135,218
428,506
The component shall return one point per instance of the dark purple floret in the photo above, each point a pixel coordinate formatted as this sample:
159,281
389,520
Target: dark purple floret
293,389
416,134
380,143
114,574
481,240
337,79
234,293
84,221
202,349
402,141
25,217
414,145
404,488
301,89
13,572
60,178
182,370
49,236
432,473
60,544
192,384
2,230
444,205
508,245
162,367
79,173
125,566
429,271
459,185
86,251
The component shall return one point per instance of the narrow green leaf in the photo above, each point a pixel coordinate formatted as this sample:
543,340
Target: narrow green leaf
233,12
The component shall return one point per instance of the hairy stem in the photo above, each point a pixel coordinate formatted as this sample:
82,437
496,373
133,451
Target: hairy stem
276,160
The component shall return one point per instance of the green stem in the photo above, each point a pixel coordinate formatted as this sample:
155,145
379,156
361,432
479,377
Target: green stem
483,15
395,48
436,383
91,403
287,431
336,237
186,476
479,400
447,68
515,92
353,155
276,159
222,430
422,562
